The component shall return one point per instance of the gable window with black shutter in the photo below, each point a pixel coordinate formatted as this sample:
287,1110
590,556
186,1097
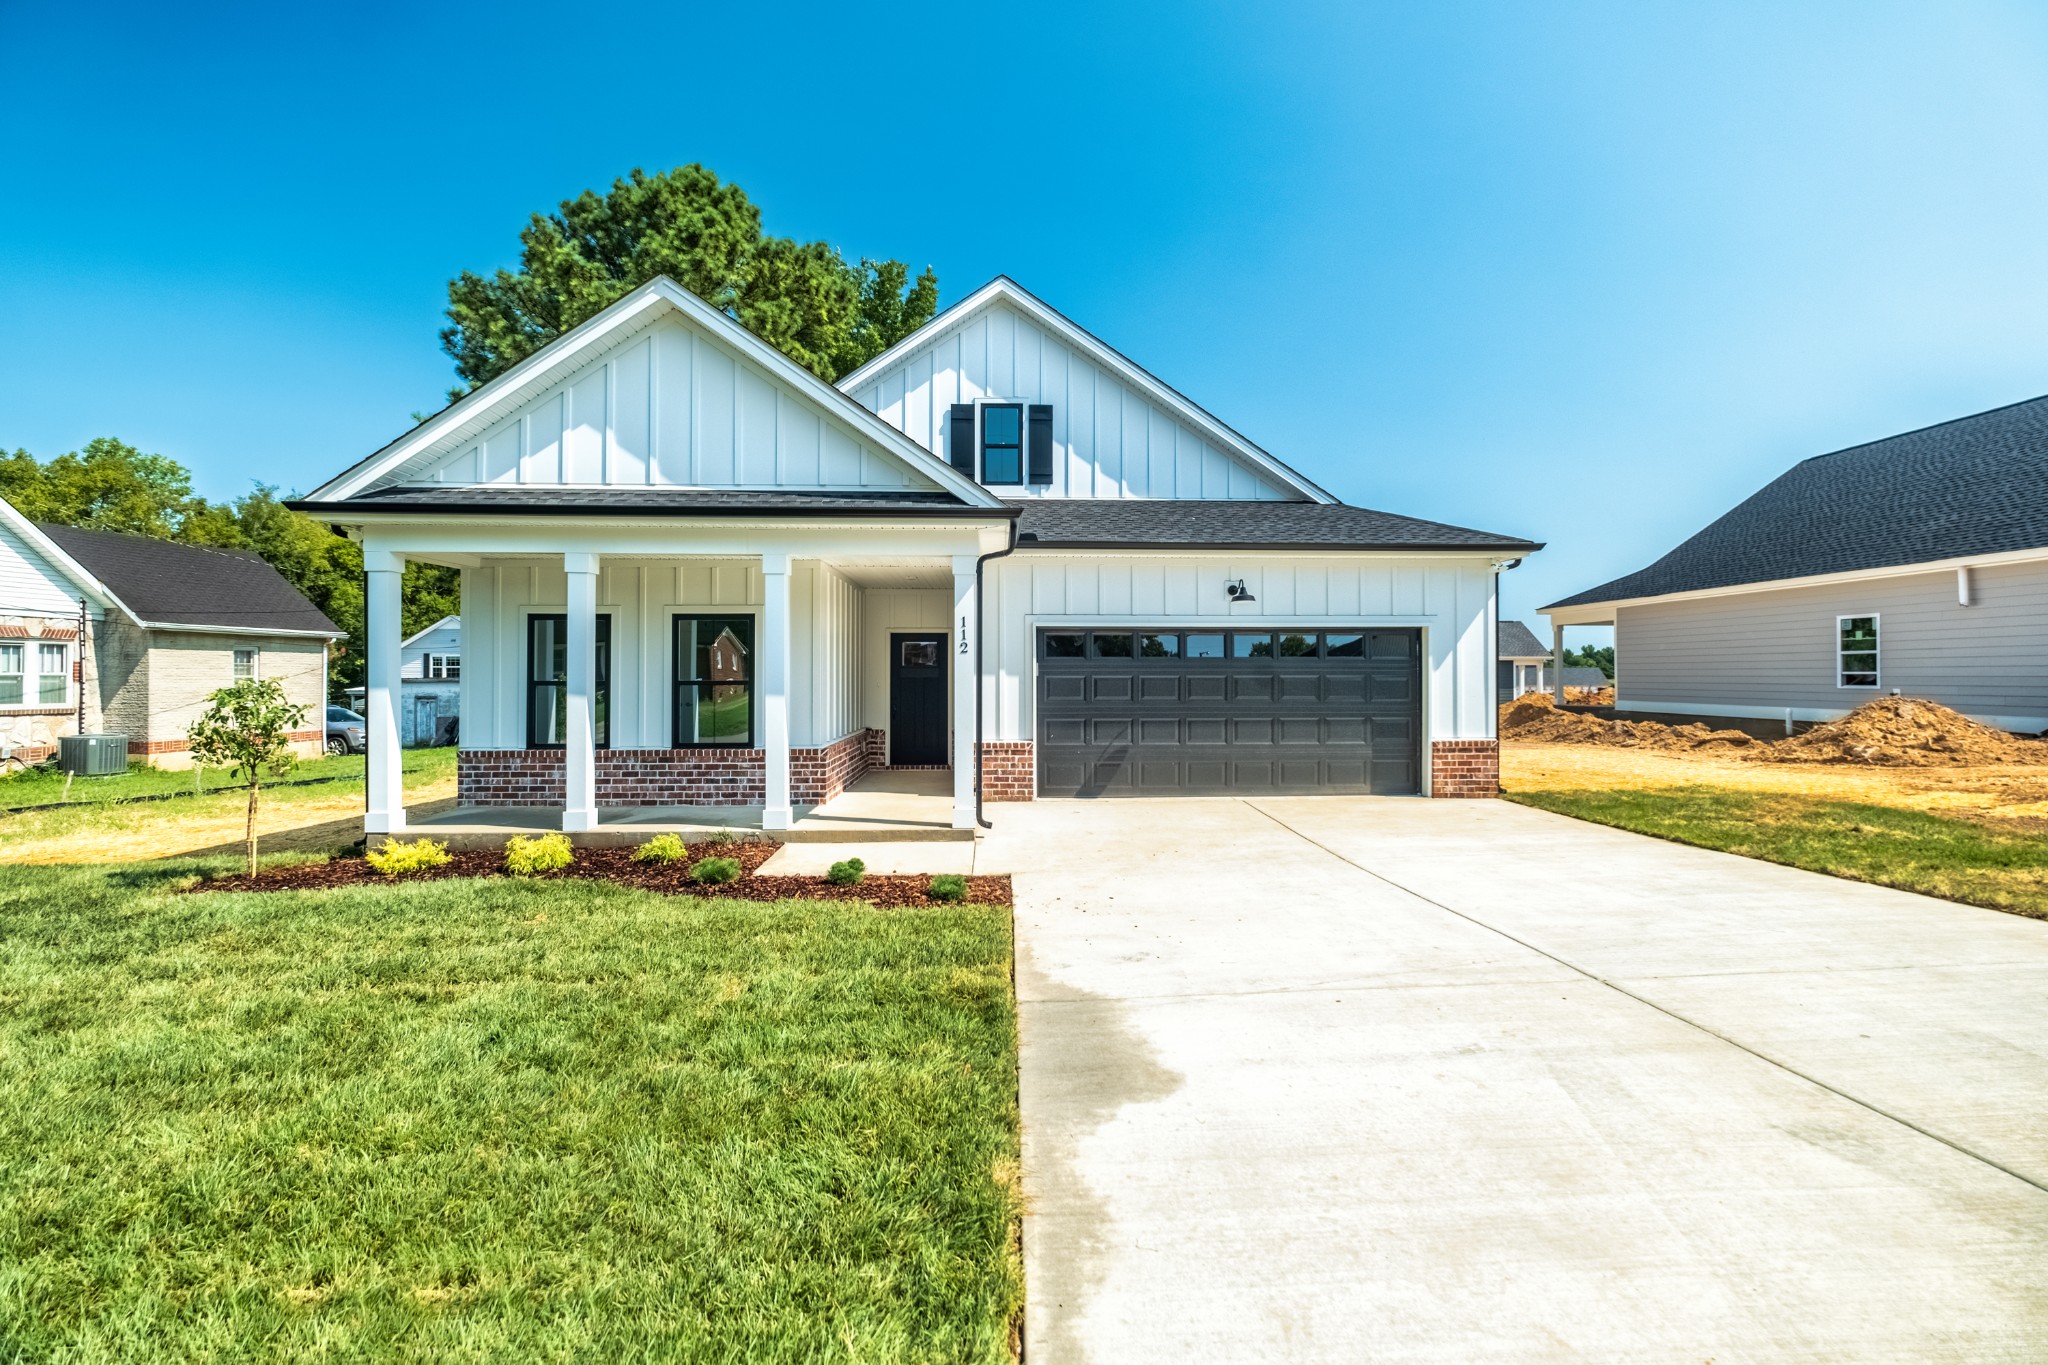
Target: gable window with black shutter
547,682
714,672
1001,444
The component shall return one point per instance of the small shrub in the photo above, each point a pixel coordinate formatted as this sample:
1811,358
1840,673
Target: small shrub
846,873
397,858
721,837
542,853
716,871
662,848
949,886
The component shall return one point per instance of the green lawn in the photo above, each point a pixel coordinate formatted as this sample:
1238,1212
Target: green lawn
38,787
1960,860
499,1121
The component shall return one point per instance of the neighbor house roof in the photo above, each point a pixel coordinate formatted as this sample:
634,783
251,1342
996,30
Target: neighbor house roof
165,584
1113,523
1973,486
1517,641
627,501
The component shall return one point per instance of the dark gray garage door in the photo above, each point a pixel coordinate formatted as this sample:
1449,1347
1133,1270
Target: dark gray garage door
1205,713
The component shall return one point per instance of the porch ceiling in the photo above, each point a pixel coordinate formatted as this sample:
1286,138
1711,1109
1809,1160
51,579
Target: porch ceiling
896,573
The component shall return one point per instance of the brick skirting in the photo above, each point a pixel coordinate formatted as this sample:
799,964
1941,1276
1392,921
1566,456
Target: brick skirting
664,777
1009,770
144,748
1464,767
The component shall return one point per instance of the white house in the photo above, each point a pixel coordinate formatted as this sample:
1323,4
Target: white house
430,685
692,572
109,633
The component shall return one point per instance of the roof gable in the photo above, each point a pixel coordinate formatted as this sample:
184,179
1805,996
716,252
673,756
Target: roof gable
659,390
1119,431
1967,487
36,575
1517,641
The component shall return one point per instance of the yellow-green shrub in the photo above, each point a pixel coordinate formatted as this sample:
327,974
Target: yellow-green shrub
528,857
662,848
398,858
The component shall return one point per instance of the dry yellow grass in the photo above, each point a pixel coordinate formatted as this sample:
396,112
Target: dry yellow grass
303,819
2007,792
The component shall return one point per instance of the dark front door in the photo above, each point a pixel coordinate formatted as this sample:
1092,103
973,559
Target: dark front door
917,700
1228,711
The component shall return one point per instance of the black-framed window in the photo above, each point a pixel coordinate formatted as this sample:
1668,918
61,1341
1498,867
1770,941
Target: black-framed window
1002,443
714,673
547,682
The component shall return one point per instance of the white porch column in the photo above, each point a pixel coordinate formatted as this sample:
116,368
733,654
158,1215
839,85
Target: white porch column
579,807
1557,662
384,808
966,678
773,672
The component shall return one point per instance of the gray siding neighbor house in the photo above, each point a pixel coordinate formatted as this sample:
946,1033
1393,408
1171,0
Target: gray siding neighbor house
1915,565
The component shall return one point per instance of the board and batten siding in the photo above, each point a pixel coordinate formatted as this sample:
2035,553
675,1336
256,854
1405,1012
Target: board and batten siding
1108,440
893,611
671,407
30,585
643,597
1759,653
1450,601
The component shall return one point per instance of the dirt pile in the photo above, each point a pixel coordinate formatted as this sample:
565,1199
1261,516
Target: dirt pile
1903,732
1533,717
1589,696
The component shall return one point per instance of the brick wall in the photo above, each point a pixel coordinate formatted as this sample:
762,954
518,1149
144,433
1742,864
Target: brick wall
1009,770
1464,767
664,777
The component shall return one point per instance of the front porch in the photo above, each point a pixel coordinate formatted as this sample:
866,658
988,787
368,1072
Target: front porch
896,806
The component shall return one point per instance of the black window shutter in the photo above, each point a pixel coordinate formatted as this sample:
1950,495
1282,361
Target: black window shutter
960,439
1038,443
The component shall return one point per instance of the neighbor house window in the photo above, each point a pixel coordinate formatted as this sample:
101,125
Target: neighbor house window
245,664
11,657
547,682
1856,638
1002,443
714,671
444,666
53,673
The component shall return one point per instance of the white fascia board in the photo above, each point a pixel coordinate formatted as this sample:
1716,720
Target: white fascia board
1004,289
656,537
1602,613
81,577
444,621
190,628
595,334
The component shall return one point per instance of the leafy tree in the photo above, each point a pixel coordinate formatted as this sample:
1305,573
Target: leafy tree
109,486
1587,656
801,297
247,728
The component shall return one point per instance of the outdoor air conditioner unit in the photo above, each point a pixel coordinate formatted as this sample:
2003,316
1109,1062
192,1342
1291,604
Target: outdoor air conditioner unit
93,755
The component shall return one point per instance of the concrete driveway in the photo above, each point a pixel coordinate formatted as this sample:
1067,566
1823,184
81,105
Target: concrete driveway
1353,1079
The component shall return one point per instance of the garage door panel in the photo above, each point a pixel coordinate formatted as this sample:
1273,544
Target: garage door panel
1342,717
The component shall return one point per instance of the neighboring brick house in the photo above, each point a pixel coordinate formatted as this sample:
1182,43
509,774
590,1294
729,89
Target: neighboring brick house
165,625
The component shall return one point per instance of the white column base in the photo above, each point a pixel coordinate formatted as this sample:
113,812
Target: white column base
575,821
777,817
963,817
384,822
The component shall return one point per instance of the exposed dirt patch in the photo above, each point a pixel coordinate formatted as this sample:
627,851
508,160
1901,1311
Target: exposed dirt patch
1535,717
1903,732
617,865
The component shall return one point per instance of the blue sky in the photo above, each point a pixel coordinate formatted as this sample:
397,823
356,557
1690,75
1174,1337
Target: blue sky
1588,273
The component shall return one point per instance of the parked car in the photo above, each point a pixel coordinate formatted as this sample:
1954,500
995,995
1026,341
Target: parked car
344,731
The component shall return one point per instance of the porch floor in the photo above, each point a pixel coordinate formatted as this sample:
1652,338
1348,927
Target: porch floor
903,806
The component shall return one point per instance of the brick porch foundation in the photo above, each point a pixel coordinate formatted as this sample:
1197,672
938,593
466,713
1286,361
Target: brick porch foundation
1009,770
1464,767
665,777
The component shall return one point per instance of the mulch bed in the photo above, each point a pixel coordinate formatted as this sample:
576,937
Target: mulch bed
617,865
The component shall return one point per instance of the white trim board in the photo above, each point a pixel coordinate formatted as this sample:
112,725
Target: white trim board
1003,289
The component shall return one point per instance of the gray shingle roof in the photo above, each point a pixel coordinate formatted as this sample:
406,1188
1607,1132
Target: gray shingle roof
190,585
1059,523
666,501
1977,485
1517,641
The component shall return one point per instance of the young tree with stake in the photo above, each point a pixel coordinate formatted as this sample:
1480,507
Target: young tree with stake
247,728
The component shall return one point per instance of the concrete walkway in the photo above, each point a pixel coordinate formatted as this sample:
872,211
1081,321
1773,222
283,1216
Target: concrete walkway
1344,1079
